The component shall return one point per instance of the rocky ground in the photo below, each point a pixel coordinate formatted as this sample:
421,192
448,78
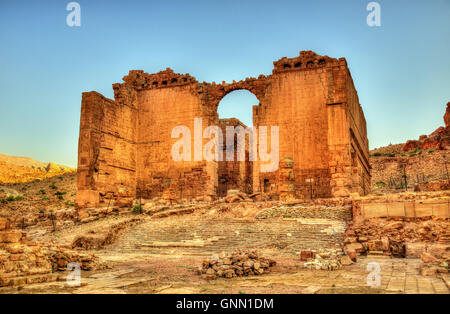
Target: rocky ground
38,196
154,253
239,244
168,262
391,166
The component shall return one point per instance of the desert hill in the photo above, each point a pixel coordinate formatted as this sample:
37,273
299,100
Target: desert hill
24,169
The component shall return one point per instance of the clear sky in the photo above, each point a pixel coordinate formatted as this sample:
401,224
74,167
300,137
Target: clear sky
401,70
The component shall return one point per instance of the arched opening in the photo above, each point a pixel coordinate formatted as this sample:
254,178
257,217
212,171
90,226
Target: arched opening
238,104
234,110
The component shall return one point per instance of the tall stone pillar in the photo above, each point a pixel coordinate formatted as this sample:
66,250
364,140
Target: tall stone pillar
286,179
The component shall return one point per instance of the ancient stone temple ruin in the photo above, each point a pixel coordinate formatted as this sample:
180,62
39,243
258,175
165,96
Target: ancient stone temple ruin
125,144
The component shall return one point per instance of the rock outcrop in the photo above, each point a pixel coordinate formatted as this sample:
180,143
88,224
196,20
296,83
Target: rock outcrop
438,140
447,116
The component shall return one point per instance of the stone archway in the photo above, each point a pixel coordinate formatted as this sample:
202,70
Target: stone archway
235,175
239,175
238,104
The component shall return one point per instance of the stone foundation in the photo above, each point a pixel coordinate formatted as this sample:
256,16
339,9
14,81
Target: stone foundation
23,261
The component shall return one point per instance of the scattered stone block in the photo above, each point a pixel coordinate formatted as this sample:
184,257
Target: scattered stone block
10,236
393,225
346,260
427,258
305,255
356,247
236,264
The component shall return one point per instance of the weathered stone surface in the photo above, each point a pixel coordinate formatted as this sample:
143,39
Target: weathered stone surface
447,116
438,140
379,245
427,257
305,255
23,261
352,255
414,250
10,236
329,259
346,260
394,225
356,247
236,264
411,145
4,224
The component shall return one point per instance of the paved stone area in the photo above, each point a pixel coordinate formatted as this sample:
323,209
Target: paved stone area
175,274
161,255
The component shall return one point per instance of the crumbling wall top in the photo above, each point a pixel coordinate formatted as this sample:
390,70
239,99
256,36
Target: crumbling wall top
141,80
306,60
212,93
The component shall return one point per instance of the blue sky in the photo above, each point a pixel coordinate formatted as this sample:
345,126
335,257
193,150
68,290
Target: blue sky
401,69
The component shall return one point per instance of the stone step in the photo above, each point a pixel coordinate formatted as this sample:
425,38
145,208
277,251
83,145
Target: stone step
268,233
20,281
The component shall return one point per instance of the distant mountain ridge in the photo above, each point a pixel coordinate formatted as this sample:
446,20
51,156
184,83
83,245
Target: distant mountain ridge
14,169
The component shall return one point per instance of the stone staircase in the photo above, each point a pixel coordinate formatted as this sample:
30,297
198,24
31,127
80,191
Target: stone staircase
203,236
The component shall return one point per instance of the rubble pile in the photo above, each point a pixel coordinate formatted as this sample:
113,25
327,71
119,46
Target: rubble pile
234,196
64,217
236,264
332,259
60,258
397,237
403,196
439,185
97,239
433,265
20,259
86,215
23,261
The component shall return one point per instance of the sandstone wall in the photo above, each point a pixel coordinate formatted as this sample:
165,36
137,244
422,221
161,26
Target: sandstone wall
298,106
322,126
106,150
359,144
125,145
23,261
405,209
161,110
